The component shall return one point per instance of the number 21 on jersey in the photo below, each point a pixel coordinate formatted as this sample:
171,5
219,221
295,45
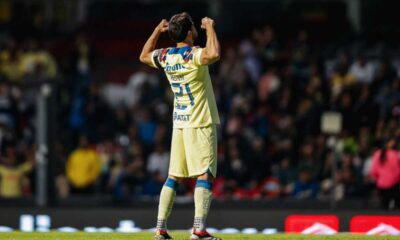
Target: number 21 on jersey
181,92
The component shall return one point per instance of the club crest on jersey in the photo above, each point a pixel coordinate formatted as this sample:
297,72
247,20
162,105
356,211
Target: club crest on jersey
174,68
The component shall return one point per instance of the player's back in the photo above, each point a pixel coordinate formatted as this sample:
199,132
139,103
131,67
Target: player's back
191,83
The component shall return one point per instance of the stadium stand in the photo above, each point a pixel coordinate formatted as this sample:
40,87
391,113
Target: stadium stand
271,90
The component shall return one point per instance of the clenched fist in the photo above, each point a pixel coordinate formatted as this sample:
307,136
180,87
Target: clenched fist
162,26
207,22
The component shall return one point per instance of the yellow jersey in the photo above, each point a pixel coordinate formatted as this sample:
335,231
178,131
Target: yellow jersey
83,167
11,179
194,103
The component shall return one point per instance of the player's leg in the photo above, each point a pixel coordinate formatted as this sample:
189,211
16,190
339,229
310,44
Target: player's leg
201,155
167,199
202,202
177,170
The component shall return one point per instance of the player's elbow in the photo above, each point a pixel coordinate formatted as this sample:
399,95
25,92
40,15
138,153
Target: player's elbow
210,56
142,58
215,56
145,57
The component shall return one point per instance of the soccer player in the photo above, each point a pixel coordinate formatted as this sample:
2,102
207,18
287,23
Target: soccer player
195,115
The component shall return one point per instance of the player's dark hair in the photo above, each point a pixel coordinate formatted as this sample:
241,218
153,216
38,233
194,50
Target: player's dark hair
179,26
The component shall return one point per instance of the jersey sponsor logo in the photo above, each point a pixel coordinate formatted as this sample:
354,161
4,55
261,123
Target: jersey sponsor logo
174,68
181,117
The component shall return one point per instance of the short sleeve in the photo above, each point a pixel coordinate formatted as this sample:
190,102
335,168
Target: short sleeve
155,58
197,56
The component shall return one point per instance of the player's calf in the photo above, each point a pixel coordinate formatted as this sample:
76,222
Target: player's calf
167,197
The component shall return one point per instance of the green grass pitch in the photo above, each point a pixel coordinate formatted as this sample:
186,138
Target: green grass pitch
176,235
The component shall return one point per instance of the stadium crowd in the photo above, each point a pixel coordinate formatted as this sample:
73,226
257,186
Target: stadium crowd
270,93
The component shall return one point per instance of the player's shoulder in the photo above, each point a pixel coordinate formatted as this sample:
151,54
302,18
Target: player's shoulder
184,54
161,54
196,48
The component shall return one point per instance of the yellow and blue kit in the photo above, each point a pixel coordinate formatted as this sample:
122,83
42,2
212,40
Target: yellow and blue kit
195,114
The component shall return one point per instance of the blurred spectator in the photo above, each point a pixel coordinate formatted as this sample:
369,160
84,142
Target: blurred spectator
341,77
9,63
147,126
235,167
388,97
345,107
158,162
97,115
307,160
259,164
90,115
286,174
365,108
137,84
81,65
122,120
157,168
348,186
268,84
35,61
61,181
362,70
270,187
230,66
8,106
300,53
250,62
13,176
271,90
305,187
130,181
269,45
385,75
385,170
83,168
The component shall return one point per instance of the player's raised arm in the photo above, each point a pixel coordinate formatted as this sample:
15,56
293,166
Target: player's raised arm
211,53
150,45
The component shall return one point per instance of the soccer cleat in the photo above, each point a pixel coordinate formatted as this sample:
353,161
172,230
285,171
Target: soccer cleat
162,234
197,234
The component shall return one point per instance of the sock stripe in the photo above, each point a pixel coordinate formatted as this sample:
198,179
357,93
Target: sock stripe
171,183
204,184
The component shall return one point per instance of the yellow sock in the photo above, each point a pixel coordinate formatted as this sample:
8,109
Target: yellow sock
202,202
167,198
